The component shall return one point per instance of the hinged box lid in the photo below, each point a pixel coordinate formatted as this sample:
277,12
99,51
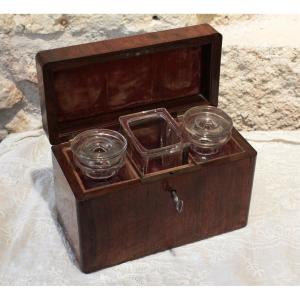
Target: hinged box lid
91,85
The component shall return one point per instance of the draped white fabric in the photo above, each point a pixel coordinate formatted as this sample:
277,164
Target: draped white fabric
267,252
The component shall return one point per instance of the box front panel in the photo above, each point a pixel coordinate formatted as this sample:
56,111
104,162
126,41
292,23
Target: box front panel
142,220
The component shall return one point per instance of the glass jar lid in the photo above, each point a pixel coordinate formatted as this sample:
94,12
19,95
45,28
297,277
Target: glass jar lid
100,144
207,121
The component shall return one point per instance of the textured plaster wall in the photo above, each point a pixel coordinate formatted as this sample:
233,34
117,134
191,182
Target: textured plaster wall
260,73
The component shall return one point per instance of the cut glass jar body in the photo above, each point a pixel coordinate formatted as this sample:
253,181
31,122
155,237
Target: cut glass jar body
207,129
154,140
99,153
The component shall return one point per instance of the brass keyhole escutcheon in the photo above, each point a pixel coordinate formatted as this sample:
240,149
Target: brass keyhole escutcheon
178,202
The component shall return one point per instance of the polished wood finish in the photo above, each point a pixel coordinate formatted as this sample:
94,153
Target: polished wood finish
129,216
132,217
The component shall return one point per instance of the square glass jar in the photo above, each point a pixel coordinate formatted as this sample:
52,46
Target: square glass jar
154,140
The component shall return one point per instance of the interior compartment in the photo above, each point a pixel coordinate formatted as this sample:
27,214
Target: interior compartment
162,163
230,148
153,133
129,172
125,174
154,141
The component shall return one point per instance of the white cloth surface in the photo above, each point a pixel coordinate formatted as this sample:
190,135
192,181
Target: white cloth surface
266,252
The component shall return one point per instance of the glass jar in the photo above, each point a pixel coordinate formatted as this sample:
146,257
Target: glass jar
99,153
207,129
155,140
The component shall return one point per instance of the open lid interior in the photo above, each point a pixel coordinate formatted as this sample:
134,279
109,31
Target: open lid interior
91,85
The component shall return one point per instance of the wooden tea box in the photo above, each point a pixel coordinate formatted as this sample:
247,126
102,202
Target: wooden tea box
130,216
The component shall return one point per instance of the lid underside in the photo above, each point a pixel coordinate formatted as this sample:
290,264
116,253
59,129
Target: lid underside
94,90
121,84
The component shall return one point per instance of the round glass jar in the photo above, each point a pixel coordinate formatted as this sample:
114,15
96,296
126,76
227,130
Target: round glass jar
207,128
99,153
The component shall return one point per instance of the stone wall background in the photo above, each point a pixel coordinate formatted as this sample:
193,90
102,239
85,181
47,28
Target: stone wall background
260,72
